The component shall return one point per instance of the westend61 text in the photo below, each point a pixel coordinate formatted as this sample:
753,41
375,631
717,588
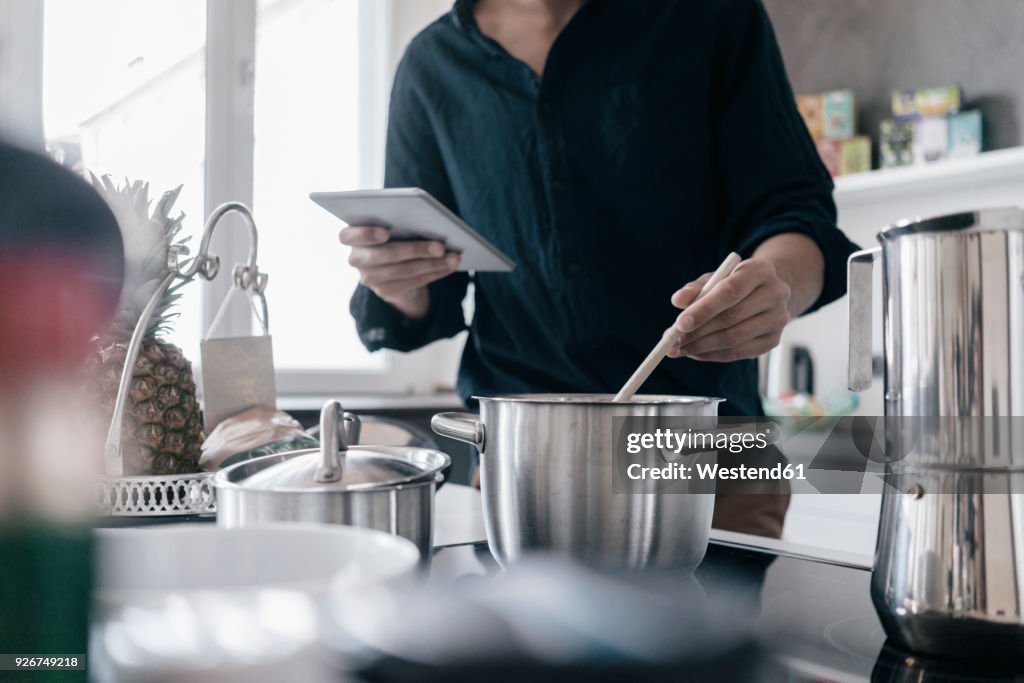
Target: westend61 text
709,471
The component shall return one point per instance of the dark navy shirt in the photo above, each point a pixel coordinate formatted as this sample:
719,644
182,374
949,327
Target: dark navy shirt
661,136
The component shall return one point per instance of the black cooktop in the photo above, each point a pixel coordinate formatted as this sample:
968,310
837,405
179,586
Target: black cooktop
814,618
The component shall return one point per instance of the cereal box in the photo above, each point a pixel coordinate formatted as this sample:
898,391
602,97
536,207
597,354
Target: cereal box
896,143
831,155
855,155
965,134
838,119
937,101
931,139
908,104
903,106
842,157
812,110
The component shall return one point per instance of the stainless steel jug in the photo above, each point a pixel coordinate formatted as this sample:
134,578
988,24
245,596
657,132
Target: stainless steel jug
949,565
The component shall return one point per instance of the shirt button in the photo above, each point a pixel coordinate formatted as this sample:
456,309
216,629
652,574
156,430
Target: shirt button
546,106
574,269
558,186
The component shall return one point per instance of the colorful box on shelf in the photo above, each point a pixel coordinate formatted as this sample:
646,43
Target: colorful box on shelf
909,104
966,134
843,157
812,109
828,116
838,120
896,143
931,139
928,139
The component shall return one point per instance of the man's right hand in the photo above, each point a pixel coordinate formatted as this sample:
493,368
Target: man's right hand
398,272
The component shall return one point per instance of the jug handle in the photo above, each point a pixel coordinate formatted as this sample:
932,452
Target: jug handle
461,427
860,271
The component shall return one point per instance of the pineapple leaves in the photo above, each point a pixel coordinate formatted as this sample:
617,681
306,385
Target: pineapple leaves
148,233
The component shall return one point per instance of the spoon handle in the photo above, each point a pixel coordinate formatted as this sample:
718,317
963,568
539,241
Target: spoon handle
671,335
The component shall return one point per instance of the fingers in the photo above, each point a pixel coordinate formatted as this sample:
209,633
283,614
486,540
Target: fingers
762,299
685,296
397,271
765,324
363,236
394,252
742,317
751,349
726,294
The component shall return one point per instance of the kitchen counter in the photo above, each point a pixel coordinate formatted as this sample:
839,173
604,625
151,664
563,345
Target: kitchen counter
810,605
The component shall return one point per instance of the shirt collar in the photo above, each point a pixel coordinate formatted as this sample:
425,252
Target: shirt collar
462,14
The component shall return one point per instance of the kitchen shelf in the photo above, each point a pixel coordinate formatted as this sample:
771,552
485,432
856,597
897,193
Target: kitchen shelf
1000,166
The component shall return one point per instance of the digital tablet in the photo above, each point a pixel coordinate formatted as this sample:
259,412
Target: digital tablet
411,213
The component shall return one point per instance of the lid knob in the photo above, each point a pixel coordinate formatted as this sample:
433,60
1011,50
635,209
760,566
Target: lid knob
334,442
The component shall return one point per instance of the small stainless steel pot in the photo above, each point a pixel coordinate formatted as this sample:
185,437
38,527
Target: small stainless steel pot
547,473
375,487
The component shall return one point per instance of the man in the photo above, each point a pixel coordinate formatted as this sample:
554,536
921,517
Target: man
616,151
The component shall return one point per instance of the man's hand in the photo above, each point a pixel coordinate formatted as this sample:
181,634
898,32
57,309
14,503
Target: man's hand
398,272
743,317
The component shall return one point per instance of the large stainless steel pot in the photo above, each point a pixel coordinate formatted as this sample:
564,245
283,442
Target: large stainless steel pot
377,487
949,567
547,479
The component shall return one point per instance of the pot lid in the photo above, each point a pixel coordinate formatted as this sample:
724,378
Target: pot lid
338,467
362,468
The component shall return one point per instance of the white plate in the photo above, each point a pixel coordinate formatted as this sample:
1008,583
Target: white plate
140,564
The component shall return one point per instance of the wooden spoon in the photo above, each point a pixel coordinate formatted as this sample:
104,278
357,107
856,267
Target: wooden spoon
672,334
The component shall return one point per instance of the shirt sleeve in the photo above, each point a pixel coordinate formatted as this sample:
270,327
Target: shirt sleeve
412,159
771,177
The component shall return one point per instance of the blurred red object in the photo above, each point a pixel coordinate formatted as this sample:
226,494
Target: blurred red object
61,265
51,304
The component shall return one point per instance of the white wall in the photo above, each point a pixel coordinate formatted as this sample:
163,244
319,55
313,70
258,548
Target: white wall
409,17
21,69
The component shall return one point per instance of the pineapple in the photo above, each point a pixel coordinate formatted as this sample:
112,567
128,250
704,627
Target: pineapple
162,424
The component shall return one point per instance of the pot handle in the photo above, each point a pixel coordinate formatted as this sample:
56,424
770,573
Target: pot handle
461,427
334,442
860,270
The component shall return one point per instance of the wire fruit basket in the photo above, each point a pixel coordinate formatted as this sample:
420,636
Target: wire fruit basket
177,494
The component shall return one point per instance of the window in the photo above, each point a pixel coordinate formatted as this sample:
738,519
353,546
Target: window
129,102
258,101
308,130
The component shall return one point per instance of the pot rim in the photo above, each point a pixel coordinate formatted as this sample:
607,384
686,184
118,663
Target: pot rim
222,480
601,399
994,220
